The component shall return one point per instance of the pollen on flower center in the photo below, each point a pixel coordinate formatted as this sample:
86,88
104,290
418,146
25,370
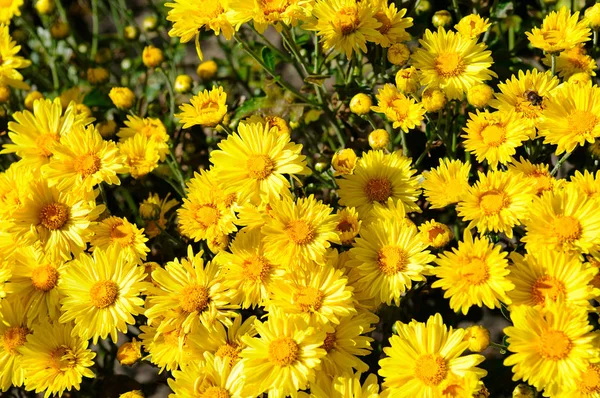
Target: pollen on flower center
229,350
215,392
259,166
476,271
554,345
430,369
63,358
87,164
256,268
386,24
207,215
13,338
194,298
346,20
300,232
378,190
547,286
54,215
45,142
283,351
582,123
44,278
104,293
449,65
492,202
309,299
590,380
329,342
567,228
493,135
391,260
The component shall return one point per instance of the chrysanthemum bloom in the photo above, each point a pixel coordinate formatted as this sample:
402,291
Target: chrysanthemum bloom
551,346
345,25
446,184
538,175
588,183
347,385
118,232
433,100
207,109
452,62
496,203
423,356
153,211
587,383
14,188
299,232
152,128
8,54
435,234
265,13
564,220
474,274
393,24
494,136
142,154
472,26
344,161
377,178
122,97
402,111
13,335
572,61
55,359
10,10
560,31
172,347
392,210
283,359
348,225
388,257
571,117
189,293
407,80
548,276
592,16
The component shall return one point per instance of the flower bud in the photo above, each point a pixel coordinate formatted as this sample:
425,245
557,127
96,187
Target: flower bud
131,32
442,18
59,30
183,84
379,139
478,338
97,75
207,70
122,97
479,95
344,161
407,80
132,394
107,128
150,23
31,98
45,7
218,243
592,16
523,391
433,99
152,56
361,104
129,353
398,54
4,93
423,7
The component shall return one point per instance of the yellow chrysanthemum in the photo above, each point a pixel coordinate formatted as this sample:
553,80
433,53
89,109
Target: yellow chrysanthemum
587,384
538,175
435,234
572,61
265,13
171,348
472,26
118,232
55,359
9,76
404,112
588,183
252,163
474,274
452,62
559,31
393,24
548,276
13,335
151,127
388,257
347,385
348,225
142,154
14,188
10,9
494,136
101,294
496,203
446,184
424,356
207,108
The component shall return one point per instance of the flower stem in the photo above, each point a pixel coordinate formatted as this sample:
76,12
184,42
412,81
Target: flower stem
553,56
171,92
560,163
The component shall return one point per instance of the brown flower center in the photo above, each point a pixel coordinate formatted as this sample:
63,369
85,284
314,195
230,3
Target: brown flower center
300,232
54,215
259,166
194,298
104,293
283,351
13,338
347,20
378,190
309,299
391,260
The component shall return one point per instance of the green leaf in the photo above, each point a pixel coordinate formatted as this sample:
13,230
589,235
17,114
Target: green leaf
316,79
268,58
249,107
97,98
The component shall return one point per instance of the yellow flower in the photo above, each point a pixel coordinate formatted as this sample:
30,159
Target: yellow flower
478,338
560,31
379,139
360,104
118,232
393,25
207,70
348,225
572,61
407,80
129,352
265,13
344,161
13,335
183,84
14,188
4,93
587,383
188,18
524,391
592,16
447,183
587,183
151,127
169,346
132,394
496,203
152,56
452,62
398,54
45,7
107,128
97,76
8,53
9,10
480,95
142,154
122,97
433,100
580,78
472,26
207,109
423,356
156,221
404,112
435,234
30,99
538,175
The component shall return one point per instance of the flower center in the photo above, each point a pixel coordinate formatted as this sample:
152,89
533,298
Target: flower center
590,380
87,165
300,232
54,215
63,358
283,351
346,20
44,278
582,123
45,142
309,299
547,286
229,350
492,202
329,343
13,338
430,369
476,271
391,260
259,166
554,345
215,392
122,233
256,268
378,190
104,293
207,215
567,229
194,298
493,135
449,65
386,24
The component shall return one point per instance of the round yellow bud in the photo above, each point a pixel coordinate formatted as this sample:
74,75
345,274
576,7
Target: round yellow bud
103,56
131,32
344,161
107,129
580,78
59,30
398,54
122,97
279,123
150,23
132,394
183,84
361,104
31,98
523,391
478,338
45,7
129,353
433,99
4,93
149,211
152,56
479,95
441,18
424,6
592,16
407,80
379,139
97,75
207,69
218,243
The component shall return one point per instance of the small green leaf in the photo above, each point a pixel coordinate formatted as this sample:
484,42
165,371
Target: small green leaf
316,79
249,107
268,58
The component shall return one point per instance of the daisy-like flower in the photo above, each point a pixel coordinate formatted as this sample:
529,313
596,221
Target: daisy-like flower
142,154
207,108
283,359
56,360
299,232
452,62
572,61
565,220
172,348
497,202
571,117
435,234
83,159
587,183
153,211
388,257
550,346
345,25
549,276
9,10
151,127
402,111
117,231
474,274
587,384
348,225
527,94
101,294
494,136
423,356
253,162
189,293
393,24
13,335
560,31
446,184
472,26
265,13
379,176
538,175
9,60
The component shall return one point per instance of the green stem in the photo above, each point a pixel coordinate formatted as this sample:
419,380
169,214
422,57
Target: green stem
424,153
405,150
501,347
511,38
171,92
226,128
177,173
95,26
553,56
456,9
289,41
560,163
